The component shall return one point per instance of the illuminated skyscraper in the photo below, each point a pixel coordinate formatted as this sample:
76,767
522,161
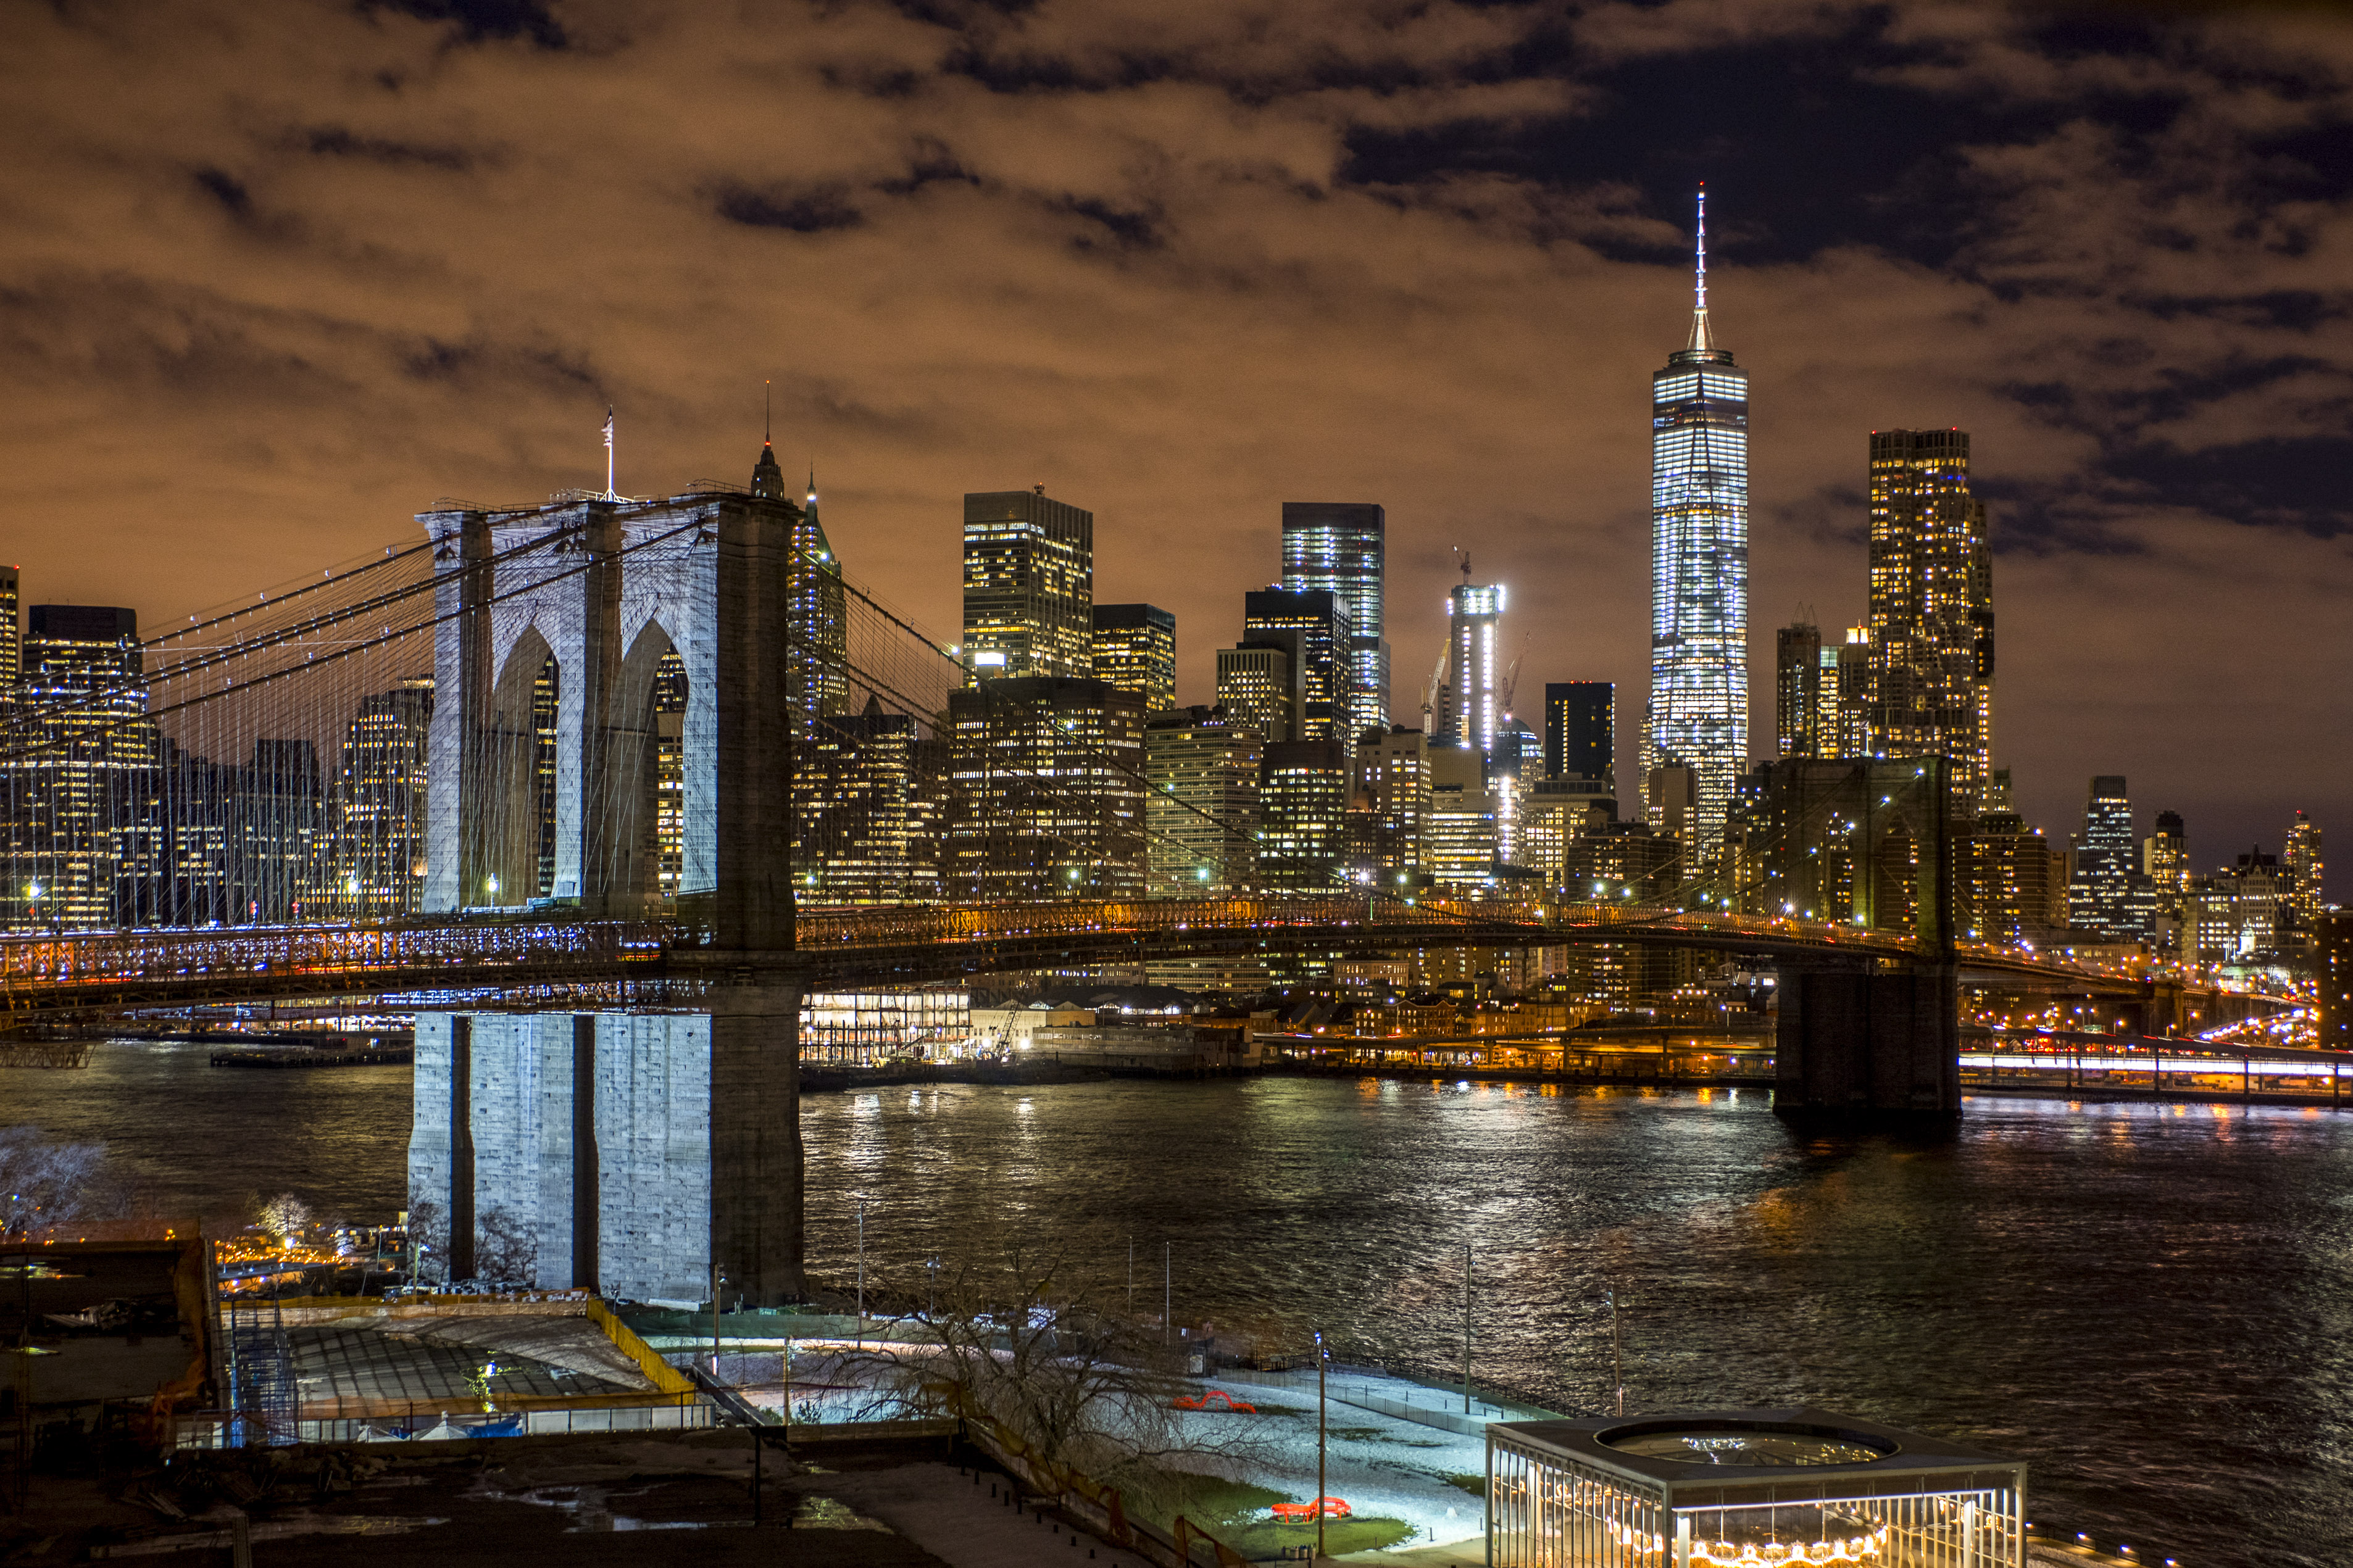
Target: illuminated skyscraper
1135,651
2303,882
1931,608
2107,893
79,815
1474,703
1337,547
1797,690
1699,569
1313,626
1029,586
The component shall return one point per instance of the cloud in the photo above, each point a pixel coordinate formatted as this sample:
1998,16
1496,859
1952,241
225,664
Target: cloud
276,275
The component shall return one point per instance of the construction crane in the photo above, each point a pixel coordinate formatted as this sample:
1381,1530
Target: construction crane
1429,692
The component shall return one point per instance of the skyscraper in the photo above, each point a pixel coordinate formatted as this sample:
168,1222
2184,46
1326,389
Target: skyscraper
1046,791
1699,569
75,795
2303,866
1029,584
1135,651
1931,608
1201,810
1797,690
1337,547
1581,730
2163,860
2101,892
1259,689
1312,623
1473,704
817,675
380,802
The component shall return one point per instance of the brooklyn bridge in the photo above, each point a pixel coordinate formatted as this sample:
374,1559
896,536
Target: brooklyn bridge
613,868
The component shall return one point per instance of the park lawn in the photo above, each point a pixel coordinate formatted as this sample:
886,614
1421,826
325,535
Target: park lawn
1234,1512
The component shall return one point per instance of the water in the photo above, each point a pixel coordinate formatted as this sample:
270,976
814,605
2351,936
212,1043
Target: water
2152,1305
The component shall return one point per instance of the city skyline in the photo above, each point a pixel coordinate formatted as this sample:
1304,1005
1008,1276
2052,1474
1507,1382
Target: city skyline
1455,332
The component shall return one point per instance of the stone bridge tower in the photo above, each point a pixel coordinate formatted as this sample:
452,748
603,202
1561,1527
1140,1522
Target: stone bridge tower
628,1152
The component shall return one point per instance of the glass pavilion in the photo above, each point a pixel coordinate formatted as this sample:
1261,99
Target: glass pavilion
1746,1488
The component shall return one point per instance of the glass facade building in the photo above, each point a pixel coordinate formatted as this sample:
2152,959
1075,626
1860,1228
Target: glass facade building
1748,1488
1314,625
1931,608
1337,547
1699,569
1135,651
1029,586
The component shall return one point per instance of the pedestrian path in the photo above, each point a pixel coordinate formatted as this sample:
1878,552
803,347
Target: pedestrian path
951,1515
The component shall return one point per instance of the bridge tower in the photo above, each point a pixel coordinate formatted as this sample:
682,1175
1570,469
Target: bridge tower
1876,1037
629,1152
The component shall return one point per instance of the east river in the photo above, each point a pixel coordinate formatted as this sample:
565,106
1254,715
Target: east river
2152,1305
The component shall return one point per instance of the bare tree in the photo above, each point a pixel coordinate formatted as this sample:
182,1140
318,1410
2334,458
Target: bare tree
429,1234
47,1183
506,1251
1031,1343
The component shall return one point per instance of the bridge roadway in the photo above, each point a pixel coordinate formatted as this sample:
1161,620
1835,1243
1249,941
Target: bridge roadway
525,961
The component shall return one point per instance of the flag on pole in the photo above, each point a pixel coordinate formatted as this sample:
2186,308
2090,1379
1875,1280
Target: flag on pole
608,427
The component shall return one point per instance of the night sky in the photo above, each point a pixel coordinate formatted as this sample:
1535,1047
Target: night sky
275,276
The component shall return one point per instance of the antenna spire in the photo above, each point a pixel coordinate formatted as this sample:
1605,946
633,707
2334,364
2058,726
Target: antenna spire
1699,332
768,414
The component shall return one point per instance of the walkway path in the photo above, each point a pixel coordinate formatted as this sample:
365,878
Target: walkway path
948,1512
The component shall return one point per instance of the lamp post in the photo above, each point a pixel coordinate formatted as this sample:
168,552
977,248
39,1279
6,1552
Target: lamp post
1466,1328
1322,1359
862,1274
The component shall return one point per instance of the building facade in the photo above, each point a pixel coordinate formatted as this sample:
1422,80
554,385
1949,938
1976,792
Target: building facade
1473,710
1580,736
1135,651
1046,791
1931,608
1258,687
1797,690
1029,586
1303,816
2105,891
1699,569
84,792
1201,811
1338,548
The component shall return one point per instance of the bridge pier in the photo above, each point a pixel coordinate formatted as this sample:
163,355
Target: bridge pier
1867,1039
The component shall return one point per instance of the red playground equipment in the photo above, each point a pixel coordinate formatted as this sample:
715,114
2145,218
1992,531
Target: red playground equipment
1215,1399
1300,1513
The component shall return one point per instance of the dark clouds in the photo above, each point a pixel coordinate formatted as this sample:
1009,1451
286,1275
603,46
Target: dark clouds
276,275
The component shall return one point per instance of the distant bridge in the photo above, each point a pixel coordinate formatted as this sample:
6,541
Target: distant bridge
527,961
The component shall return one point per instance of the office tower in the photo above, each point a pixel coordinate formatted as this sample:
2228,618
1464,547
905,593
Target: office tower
1931,608
858,830
1797,689
1846,695
2163,860
1622,863
1393,785
1699,569
2302,863
2101,892
1302,816
1519,751
1201,810
2014,882
81,792
1029,586
1473,707
817,678
1581,730
1257,686
1337,547
12,646
379,837
1135,648
1046,789
1458,838
1313,625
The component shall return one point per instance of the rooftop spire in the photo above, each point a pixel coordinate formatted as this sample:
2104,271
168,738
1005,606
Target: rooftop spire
1699,333
768,414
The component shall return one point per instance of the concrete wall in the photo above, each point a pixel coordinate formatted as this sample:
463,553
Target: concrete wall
635,1219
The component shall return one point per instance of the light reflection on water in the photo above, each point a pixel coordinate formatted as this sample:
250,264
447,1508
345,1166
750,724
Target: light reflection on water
2153,1305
